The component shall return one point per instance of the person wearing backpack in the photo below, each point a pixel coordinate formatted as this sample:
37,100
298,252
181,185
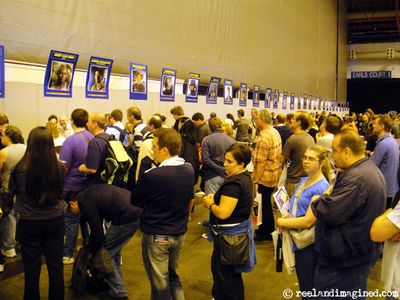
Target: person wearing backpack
72,155
97,149
116,127
145,160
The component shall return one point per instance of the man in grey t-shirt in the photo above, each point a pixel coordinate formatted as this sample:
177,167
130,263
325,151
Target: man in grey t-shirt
294,149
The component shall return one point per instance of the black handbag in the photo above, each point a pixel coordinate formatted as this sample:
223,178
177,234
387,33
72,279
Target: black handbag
234,249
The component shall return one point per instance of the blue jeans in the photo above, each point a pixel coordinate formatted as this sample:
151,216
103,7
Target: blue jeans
343,279
212,185
117,236
8,229
72,222
160,259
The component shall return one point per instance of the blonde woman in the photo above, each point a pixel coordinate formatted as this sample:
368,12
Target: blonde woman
317,167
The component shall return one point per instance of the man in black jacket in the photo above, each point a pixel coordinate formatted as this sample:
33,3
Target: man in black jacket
164,193
344,216
107,203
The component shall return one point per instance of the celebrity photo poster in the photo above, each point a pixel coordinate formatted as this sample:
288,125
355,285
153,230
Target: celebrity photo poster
284,100
167,86
268,98
212,90
275,100
299,102
137,81
2,81
243,95
256,96
192,92
98,77
59,74
292,101
305,101
228,92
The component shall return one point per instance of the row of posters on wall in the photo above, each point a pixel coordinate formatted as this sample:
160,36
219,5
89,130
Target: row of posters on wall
60,74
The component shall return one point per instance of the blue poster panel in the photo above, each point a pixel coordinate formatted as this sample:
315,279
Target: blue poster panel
2,81
228,92
291,101
299,102
284,100
305,101
275,99
212,90
60,74
167,86
98,77
192,92
256,96
138,81
243,95
268,98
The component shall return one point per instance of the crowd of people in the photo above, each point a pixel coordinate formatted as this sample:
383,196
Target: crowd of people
340,175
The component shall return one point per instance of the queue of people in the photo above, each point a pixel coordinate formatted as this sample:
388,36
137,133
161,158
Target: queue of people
339,179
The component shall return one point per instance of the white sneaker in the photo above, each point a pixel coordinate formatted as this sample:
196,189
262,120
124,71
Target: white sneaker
9,253
1,268
68,260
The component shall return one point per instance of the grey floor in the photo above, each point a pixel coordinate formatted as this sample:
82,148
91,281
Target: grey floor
194,270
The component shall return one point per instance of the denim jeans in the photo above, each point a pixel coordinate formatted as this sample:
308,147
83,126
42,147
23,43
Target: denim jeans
117,236
8,229
72,222
343,279
37,237
160,259
212,185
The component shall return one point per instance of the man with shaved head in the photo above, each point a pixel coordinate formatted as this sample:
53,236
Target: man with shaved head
97,148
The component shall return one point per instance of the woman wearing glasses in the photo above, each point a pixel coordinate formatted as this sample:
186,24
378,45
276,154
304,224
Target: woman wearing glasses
317,167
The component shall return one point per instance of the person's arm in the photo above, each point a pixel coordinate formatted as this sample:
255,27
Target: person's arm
207,161
95,221
142,191
225,208
307,221
84,169
378,155
93,158
3,158
337,207
382,228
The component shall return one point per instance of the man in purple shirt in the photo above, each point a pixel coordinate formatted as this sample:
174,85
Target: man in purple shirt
386,155
73,154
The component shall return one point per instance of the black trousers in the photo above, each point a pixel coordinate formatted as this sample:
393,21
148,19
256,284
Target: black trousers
47,237
228,284
268,223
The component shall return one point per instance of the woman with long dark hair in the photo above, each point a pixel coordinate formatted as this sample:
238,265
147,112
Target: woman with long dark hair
37,182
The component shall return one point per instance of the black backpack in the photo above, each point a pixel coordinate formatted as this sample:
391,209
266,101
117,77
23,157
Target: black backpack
122,133
117,165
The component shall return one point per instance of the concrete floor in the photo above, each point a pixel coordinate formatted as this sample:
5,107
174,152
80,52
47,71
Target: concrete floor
194,270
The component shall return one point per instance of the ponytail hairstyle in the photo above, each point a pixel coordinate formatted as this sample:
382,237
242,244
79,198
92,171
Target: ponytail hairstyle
323,155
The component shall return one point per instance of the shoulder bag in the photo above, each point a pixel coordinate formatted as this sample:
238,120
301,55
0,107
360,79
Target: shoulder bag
301,237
